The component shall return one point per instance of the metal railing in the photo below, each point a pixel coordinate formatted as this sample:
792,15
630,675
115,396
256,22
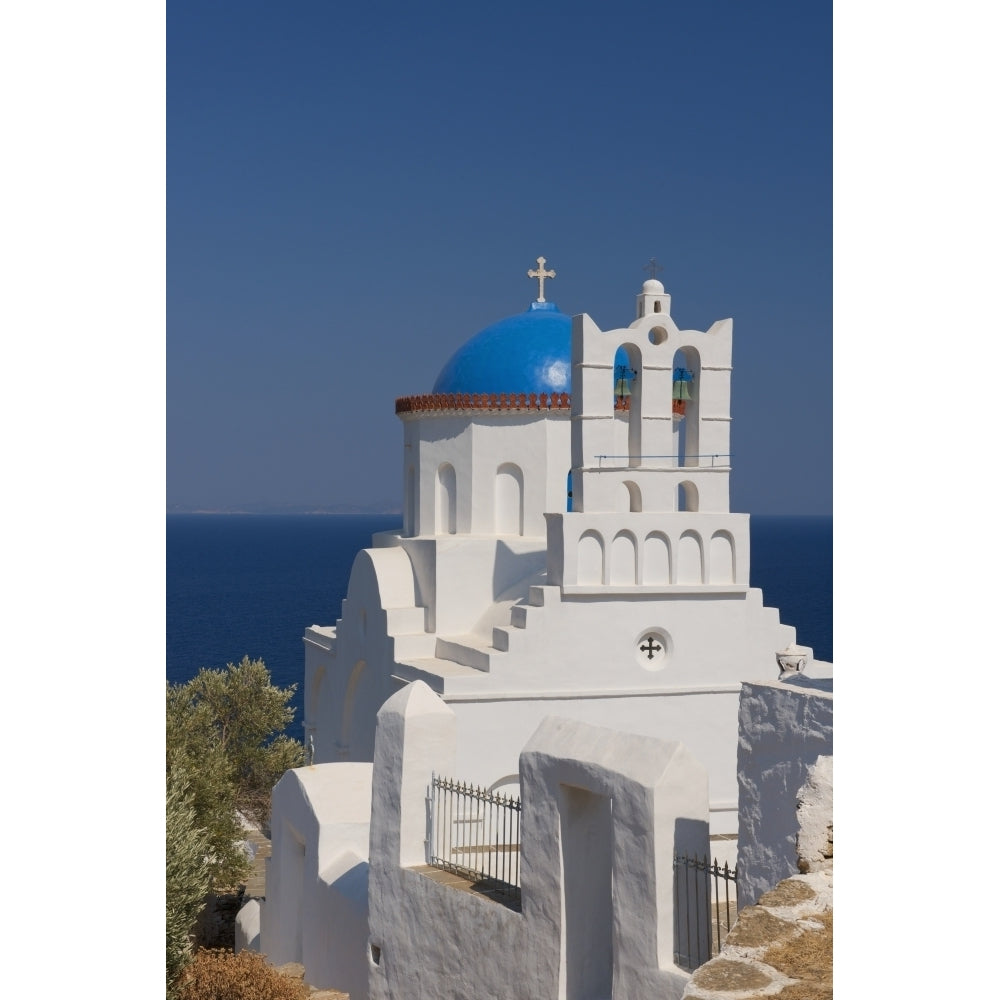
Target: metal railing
475,833
704,908
712,455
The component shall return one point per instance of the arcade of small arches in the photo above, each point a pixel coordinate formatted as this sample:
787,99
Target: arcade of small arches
661,558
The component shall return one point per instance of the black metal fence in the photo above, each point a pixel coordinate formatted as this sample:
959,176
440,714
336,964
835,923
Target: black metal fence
476,833
704,908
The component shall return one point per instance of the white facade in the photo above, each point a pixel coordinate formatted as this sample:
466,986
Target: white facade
632,610
604,813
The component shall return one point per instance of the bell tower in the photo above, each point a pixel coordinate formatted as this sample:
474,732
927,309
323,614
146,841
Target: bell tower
653,461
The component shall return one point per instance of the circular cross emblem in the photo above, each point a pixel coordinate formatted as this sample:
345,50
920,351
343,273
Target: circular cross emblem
651,649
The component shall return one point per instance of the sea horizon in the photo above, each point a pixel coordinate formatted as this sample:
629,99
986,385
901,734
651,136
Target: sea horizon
250,583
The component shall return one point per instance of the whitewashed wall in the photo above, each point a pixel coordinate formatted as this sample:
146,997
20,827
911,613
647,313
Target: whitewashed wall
316,911
603,813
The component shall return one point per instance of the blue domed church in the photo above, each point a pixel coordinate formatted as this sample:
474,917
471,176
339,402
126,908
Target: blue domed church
627,605
602,613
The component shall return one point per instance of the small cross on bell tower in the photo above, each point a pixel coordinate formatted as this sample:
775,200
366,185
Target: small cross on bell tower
653,298
541,274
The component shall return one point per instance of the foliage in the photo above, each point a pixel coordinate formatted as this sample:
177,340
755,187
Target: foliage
224,729
221,975
187,873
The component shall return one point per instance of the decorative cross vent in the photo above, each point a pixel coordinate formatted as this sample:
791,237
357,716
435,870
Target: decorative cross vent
651,648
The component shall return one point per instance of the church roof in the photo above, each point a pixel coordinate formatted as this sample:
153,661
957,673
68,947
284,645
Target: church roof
528,352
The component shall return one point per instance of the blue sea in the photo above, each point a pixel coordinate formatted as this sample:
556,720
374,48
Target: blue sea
251,584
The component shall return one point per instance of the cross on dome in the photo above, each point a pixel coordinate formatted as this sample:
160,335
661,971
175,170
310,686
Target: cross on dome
541,274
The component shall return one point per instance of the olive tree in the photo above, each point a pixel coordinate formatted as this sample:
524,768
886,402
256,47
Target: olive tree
225,731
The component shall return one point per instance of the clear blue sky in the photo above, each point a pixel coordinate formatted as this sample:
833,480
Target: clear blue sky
353,190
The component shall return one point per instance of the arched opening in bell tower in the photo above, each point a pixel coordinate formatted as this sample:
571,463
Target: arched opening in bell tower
628,398
686,386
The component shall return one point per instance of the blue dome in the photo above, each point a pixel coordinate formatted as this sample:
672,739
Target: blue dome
529,352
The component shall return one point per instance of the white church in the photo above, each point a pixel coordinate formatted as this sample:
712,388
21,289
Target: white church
564,620
628,605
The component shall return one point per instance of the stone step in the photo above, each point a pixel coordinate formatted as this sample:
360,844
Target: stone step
413,646
465,650
503,637
400,621
537,594
521,614
432,671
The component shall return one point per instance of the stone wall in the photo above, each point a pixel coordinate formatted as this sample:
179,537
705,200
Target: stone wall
784,767
782,942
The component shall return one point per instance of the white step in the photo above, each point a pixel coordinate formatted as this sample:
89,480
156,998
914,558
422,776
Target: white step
539,593
520,616
405,620
465,650
413,646
432,671
502,638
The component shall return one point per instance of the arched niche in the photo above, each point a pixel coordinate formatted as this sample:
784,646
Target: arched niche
721,558
632,497
623,559
508,500
687,496
590,559
687,435
690,560
410,505
655,559
350,698
446,506
313,694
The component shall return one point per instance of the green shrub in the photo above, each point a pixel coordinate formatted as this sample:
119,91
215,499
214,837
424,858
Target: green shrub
187,873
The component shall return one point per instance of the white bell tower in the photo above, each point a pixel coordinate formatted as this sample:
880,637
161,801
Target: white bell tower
648,466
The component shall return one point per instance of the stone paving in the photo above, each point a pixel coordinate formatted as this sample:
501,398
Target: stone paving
781,947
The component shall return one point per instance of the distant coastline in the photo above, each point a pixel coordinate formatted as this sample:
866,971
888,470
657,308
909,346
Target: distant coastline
345,508
296,509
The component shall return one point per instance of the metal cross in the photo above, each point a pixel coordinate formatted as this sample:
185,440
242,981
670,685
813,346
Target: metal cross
653,267
652,648
541,274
